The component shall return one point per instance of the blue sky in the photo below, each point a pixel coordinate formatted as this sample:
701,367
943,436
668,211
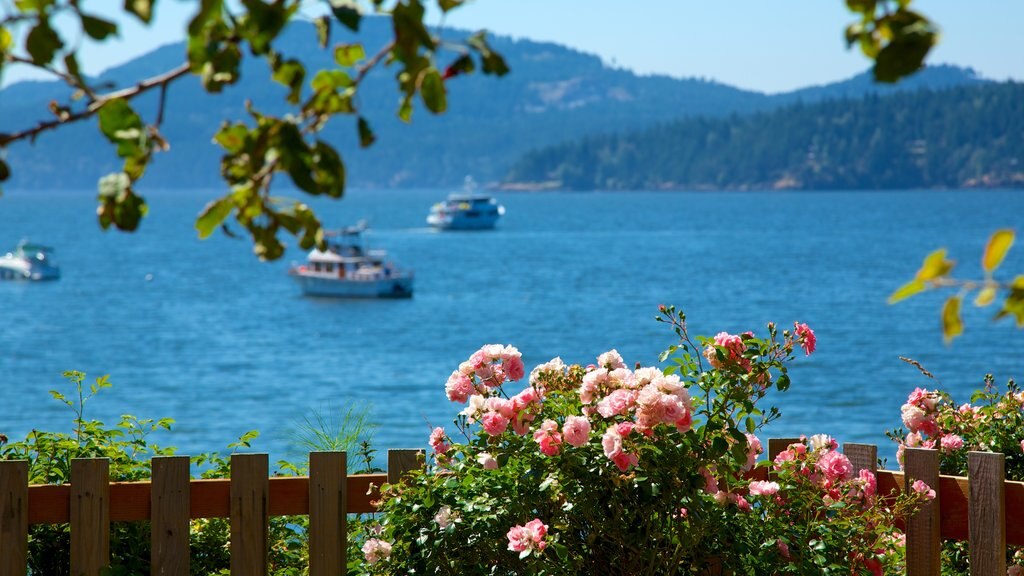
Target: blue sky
765,45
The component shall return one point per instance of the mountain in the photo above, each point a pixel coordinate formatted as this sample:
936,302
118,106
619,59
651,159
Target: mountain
553,94
963,136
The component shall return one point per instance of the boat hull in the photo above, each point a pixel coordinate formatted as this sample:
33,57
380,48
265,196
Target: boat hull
20,269
456,222
395,287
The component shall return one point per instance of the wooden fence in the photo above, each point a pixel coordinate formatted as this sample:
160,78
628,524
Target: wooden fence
988,511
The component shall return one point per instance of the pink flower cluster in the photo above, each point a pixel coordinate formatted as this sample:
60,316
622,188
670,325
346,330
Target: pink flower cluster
487,368
438,441
375,550
549,438
732,347
919,412
921,488
807,339
819,462
613,443
650,396
529,537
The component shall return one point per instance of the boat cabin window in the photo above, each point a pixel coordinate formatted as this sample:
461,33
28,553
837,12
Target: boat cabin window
329,267
316,266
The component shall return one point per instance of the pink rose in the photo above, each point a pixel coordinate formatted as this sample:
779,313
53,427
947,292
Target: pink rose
576,431
528,537
951,443
624,460
487,461
459,387
610,360
612,443
753,449
514,368
807,339
834,466
438,441
617,403
1015,570
921,488
783,549
761,488
548,438
494,423
375,550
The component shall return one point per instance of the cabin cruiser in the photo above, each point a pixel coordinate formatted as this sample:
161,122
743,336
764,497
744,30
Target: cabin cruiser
29,262
466,210
346,269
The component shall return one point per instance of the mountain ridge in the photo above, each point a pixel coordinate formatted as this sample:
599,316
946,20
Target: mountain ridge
554,93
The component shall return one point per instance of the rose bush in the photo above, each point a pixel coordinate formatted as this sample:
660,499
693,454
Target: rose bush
616,470
992,421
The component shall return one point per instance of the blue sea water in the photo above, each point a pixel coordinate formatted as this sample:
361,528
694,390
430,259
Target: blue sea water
202,332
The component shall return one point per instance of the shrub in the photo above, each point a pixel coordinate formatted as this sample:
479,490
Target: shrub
611,470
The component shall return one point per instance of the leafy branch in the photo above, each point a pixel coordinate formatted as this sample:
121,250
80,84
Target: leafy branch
219,37
935,273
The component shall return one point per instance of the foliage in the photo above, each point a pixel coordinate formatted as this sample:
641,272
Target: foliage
936,272
219,35
895,37
966,136
129,448
609,470
991,422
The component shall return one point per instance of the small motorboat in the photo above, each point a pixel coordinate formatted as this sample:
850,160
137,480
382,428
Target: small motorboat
29,262
466,210
345,269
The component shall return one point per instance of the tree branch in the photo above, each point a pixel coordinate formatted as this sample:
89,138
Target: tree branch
99,102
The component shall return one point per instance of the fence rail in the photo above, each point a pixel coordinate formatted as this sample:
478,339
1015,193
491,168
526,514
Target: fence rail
986,510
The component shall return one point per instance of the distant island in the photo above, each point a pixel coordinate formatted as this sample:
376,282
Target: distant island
521,132
961,137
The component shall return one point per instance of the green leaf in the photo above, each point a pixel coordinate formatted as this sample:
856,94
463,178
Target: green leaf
347,12
996,249
912,38
42,43
5,170
1014,303
123,127
142,9
405,110
98,28
118,204
348,54
232,137
952,325
291,73
906,291
213,215
493,63
366,135
433,92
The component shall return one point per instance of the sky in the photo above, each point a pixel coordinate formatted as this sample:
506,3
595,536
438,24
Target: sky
765,45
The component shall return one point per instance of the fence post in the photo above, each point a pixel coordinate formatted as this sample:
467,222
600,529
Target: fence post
328,513
862,456
987,511
250,492
90,515
170,503
402,461
13,517
923,535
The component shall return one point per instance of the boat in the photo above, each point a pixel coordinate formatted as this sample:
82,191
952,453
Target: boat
29,262
466,210
346,269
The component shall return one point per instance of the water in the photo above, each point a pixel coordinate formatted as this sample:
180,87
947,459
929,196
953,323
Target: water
202,332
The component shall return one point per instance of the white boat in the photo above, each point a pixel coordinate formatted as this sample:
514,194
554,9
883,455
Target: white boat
466,211
29,262
347,270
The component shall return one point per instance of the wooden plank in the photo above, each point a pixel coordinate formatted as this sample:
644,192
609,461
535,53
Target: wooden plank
923,530
778,445
250,494
1013,495
170,504
402,461
289,496
328,522
13,517
90,516
862,456
986,471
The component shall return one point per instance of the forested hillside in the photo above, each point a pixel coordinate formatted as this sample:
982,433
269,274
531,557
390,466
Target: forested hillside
964,136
